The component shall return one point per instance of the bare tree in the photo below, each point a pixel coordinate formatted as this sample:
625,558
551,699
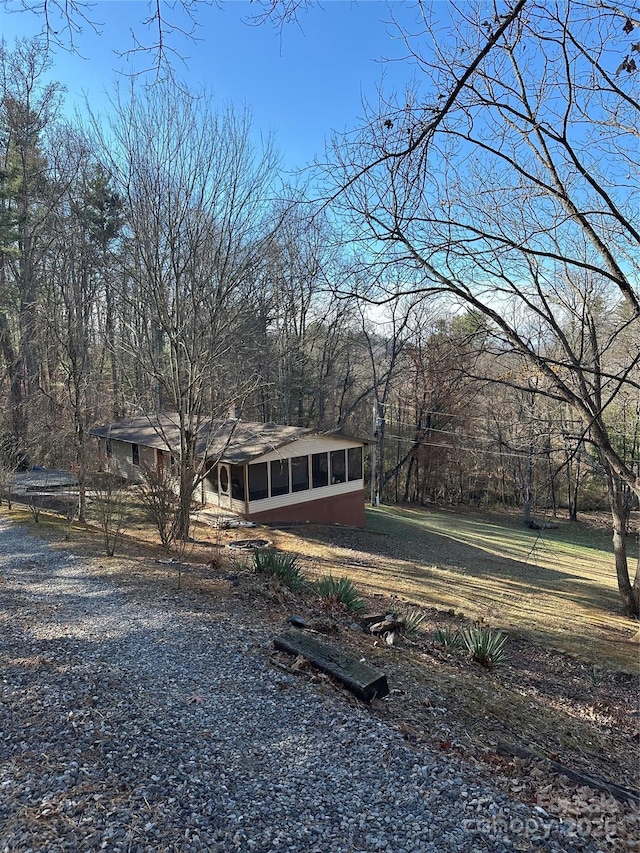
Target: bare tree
161,31
506,179
158,495
30,189
160,35
197,201
72,303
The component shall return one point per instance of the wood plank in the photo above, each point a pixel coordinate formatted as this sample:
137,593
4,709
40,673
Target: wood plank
363,680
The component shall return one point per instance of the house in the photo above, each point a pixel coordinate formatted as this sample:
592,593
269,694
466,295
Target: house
263,472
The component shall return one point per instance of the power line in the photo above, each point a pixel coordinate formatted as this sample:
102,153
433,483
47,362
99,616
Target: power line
479,450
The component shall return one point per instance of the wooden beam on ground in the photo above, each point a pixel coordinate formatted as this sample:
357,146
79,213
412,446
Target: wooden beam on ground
365,681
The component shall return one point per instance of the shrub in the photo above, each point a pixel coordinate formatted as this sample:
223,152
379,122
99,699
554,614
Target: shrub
285,568
449,639
485,645
341,591
158,495
238,563
111,502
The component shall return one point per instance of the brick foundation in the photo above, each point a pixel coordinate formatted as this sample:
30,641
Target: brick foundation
338,509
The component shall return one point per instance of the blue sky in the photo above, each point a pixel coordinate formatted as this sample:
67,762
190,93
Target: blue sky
300,83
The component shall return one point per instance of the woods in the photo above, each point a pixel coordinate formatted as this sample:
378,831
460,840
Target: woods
465,293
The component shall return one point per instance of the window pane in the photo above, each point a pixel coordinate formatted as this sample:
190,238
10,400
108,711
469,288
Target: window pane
135,454
258,487
338,466
299,473
355,463
237,482
320,470
280,477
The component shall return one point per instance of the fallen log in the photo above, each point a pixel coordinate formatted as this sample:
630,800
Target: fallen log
363,680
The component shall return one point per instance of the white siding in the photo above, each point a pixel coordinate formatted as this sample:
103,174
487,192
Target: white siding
308,446
210,496
237,506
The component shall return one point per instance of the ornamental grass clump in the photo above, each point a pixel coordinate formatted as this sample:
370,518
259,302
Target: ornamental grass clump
285,568
485,645
334,591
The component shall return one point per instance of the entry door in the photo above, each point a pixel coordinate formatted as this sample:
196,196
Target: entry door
224,485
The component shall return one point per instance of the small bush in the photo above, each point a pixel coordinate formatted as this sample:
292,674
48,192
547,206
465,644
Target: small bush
486,646
340,591
285,568
596,675
449,639
162,503
110,500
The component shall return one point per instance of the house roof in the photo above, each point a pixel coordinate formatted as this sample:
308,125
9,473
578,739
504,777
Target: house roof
232,441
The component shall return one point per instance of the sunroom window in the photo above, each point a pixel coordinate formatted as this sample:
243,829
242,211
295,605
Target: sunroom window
279,477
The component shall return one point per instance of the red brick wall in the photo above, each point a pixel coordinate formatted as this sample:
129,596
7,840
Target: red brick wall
338,509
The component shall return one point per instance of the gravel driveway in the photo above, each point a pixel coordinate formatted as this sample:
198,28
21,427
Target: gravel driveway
161,725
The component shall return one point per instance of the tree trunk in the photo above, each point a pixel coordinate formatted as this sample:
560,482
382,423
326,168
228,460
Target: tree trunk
116,408
629,595
15,385
184,512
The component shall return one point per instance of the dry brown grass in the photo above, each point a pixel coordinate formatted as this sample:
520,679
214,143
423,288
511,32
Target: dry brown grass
556,586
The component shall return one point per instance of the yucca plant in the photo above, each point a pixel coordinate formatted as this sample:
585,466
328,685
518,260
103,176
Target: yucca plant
412,620
596,675
485,645
449,639
339,591
238,563
285,568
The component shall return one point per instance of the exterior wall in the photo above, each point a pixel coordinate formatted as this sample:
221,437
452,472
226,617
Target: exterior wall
335,509
214,498
120,460
334,503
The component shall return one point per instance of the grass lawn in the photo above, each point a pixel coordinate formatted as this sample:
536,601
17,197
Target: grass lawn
556,586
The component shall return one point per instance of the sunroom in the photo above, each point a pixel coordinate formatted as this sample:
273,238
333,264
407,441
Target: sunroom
269,473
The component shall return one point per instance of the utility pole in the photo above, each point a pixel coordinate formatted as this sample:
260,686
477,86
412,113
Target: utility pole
372,500
376,421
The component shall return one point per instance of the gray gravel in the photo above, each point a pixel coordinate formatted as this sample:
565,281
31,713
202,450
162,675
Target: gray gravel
161,725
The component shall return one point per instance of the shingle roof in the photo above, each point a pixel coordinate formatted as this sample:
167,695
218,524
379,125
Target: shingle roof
232,441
